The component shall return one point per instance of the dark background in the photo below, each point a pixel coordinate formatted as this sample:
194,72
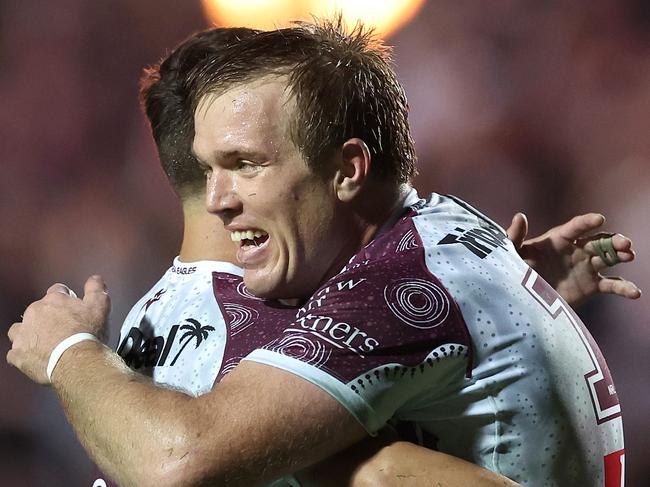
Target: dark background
540,106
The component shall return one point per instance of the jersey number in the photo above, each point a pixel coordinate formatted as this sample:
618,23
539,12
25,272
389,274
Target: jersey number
599,380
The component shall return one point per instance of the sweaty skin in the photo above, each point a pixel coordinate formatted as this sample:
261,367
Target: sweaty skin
257,180
384,462
399,464
259,422
192,439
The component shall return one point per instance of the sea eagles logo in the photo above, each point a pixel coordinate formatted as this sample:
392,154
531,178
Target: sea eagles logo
479,241
156,297
138,351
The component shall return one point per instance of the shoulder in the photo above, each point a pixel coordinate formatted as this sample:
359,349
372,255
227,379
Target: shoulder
385,307
381,332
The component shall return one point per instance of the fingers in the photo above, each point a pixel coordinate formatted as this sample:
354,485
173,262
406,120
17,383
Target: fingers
62,289
622,245
96,293
518,229
94,285
13,329
580,225
11,357
620,287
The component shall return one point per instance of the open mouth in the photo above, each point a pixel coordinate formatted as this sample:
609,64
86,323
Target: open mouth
249,238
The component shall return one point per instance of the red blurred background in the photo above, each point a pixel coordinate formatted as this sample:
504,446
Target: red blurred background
542,107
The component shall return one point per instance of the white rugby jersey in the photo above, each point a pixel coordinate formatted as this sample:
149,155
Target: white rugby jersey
176,333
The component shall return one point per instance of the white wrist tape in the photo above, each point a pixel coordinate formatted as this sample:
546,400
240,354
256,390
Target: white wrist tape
63,346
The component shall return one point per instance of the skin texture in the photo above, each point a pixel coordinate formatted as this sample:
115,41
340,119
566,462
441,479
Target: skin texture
170,447
378,462
565,256
204,237
258,180
259,422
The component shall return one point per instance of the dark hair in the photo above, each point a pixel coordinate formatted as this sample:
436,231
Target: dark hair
164,97
343,82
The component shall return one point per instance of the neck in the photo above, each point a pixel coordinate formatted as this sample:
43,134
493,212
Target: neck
367,217
374,216
204,237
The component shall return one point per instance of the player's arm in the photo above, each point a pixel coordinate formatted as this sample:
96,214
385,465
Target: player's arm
565,256
257,424
377,462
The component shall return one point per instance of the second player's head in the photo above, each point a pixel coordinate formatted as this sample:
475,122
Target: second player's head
165,99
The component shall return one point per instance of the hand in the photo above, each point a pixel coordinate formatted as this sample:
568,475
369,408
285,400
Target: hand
57,316
564,256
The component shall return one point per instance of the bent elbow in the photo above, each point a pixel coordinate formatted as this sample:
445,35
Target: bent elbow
177,471
170,467
190,468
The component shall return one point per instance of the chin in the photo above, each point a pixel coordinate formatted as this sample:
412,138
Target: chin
266,287
262,286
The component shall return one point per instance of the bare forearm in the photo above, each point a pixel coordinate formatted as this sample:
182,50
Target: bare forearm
259,423
125,422
380,461
242,433
404,464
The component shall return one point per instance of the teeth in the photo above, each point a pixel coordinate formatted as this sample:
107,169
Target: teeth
238,236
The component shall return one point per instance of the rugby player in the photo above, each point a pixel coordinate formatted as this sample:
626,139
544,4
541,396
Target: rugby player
206,248
263,411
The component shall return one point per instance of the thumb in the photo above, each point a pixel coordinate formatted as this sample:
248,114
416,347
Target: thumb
96,293
518,229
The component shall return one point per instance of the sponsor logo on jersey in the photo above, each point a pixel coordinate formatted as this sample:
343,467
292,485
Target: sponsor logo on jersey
481,241
327,328
139,351
337,333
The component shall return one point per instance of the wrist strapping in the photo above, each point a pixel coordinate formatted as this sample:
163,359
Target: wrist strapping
63,346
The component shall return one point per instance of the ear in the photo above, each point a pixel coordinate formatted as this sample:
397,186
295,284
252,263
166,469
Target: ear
354,169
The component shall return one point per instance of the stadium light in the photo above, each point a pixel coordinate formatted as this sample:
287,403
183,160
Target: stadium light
386,16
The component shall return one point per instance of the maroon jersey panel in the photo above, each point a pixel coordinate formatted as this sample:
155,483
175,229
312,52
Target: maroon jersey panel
385,307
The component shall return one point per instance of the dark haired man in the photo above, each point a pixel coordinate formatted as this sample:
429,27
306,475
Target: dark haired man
259,413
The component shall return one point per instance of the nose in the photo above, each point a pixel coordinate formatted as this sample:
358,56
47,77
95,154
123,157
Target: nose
222,198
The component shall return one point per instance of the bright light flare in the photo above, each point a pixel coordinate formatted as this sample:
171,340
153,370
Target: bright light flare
386,16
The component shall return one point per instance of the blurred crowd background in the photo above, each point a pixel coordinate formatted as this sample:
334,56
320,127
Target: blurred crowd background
538,106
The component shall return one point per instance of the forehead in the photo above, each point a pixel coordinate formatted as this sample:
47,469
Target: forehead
255,113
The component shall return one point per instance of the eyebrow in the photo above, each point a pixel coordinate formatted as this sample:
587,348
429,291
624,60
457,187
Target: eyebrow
229,154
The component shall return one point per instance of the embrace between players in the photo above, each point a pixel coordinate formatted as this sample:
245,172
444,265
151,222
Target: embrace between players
321,313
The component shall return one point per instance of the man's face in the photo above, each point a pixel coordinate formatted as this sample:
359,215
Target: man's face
287,219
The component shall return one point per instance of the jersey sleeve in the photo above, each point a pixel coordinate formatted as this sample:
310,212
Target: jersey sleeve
379,335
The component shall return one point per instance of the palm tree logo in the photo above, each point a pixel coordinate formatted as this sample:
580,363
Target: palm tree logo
194,330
